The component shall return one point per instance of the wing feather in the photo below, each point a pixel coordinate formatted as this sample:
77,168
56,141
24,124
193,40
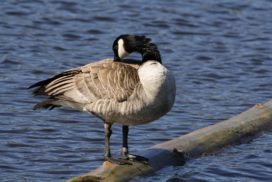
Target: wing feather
92,82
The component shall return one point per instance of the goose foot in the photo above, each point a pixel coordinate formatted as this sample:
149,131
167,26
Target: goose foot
136,158
118,161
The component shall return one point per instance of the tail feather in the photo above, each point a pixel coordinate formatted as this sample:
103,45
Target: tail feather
41,86
46,104
51,103
53,88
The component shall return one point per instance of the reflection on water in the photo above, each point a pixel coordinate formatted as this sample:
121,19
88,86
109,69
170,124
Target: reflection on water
220,54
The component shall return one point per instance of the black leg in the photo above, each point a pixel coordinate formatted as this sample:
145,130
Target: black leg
107,153
107,128
125,153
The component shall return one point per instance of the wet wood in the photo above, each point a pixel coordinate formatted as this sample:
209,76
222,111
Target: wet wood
235,130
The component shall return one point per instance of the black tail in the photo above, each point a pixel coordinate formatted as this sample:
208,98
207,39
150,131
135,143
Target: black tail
46,104
42,84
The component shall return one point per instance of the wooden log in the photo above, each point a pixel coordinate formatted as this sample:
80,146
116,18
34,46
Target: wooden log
198,143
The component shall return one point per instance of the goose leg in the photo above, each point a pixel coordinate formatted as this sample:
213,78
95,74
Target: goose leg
125,153
107,153
108,132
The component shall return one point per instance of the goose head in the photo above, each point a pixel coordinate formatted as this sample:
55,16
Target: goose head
126,44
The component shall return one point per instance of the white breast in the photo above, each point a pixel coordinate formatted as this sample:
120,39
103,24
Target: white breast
159,89
155,78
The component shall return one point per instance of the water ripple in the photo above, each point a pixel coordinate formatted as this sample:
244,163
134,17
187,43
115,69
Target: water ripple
220,53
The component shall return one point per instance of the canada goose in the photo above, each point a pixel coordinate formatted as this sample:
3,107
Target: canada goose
115,90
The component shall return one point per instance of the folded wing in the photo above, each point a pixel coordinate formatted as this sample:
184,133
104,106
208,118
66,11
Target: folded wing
80,86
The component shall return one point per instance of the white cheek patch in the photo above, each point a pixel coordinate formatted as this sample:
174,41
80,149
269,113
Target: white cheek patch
122,53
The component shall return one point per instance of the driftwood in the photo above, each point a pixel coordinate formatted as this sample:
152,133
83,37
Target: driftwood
201,142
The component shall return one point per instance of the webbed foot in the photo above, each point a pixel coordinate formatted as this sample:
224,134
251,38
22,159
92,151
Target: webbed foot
135,158
118,161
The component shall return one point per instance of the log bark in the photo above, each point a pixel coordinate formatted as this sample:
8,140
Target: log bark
235,130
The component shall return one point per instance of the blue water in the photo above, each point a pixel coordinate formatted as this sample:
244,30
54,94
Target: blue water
219,52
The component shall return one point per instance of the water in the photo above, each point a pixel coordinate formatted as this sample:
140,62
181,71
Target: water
220,53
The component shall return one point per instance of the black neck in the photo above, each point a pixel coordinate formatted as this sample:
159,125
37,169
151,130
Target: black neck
150,52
